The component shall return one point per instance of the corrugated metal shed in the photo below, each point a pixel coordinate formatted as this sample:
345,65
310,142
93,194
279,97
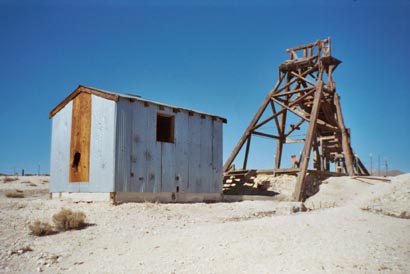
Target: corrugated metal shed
126,152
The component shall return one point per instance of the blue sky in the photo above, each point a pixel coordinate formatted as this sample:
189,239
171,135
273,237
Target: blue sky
219,57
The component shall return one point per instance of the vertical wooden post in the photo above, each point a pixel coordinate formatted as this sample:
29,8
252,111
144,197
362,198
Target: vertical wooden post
322,156
310,134
248,131
245,160
347,150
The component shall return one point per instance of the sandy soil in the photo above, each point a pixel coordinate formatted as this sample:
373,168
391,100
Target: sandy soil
354,227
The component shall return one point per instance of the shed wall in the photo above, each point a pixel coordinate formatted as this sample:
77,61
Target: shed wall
193,163
60,151
102,149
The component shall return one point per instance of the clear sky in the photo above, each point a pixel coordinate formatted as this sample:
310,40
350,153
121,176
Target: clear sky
219,57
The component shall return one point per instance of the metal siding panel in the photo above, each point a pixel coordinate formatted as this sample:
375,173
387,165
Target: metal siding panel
123,146
217,156
206,155
153,152
167,159
194,127
60,151
139,144
168,167
182,145
102,146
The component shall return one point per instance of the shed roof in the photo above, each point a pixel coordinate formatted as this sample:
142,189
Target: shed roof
114,96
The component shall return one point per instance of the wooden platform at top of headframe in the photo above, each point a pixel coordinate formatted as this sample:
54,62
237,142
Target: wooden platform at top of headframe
305,90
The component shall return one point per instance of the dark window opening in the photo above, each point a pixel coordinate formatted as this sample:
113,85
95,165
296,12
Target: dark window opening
165,128
76,160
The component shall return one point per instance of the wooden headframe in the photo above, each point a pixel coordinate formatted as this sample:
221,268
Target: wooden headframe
305,90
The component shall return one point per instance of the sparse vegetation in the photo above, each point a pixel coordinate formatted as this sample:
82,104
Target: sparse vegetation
9,179
15,194
64,220
67,219
39,228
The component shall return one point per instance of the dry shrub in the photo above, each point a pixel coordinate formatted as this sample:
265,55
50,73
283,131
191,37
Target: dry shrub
39,228
15,194
67,219
10,179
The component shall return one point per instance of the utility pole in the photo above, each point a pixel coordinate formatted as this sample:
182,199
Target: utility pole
378,165
371,164
386,165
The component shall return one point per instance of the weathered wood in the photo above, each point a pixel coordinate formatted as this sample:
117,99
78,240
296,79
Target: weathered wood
255,119
294,127
245,160
265,135
80,139
300,181
311,45
76,92
300,95
294,91
347,150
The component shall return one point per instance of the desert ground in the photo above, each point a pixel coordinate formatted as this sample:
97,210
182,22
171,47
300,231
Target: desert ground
351,226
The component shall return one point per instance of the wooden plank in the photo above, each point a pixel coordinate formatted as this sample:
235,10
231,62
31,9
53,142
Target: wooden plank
301,77
295,127
347,150
300,181
274,112
247,132
80,139
294,91
76,92
265,135
279,145
316,43
245,160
